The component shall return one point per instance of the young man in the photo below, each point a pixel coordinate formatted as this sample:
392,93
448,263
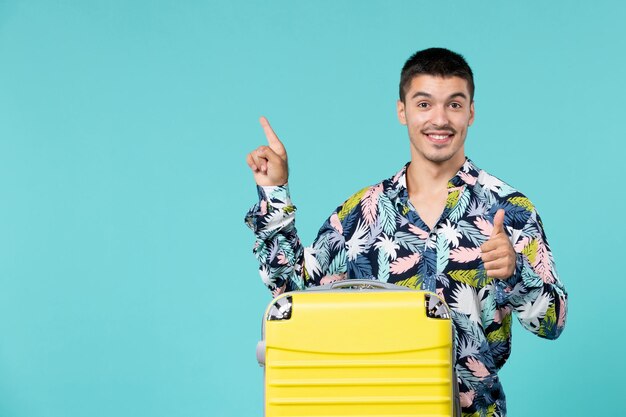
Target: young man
440,224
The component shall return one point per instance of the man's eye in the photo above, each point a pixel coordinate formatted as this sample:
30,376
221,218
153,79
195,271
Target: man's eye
422,105
455,105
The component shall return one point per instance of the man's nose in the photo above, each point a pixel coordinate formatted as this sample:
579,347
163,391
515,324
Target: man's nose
439,116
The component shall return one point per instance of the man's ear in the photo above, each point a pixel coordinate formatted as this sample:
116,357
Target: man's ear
471,119
401,112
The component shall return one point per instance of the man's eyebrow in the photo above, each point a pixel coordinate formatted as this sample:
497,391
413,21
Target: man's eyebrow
425,94
421,93
459,94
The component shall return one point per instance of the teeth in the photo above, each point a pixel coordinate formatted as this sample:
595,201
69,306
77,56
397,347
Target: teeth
438,137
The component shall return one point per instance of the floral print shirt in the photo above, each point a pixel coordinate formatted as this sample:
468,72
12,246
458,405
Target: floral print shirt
378,234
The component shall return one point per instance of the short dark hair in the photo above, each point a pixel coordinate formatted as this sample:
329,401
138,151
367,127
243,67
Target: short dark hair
439,62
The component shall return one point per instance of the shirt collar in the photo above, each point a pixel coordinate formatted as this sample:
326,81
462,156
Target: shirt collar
395,187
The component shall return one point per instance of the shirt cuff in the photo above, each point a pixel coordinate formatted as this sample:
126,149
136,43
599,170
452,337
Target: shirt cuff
274,193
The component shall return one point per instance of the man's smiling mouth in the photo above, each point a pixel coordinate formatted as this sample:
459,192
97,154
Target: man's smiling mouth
439,136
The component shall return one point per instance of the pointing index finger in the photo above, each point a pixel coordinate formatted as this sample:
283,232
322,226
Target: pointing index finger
275,144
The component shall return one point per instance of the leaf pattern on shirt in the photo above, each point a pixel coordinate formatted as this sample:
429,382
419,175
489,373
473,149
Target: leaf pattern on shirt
402,265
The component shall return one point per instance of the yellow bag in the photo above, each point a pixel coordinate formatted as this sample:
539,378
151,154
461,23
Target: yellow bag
358,348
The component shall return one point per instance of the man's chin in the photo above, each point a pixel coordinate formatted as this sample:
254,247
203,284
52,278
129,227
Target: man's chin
439,158
443,158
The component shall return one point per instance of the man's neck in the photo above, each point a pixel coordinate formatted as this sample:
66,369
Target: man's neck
427,177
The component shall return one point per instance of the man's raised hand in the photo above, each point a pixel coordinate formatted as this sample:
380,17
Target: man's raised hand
269,163
497,253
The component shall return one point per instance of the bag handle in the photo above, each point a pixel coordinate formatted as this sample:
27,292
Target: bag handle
364,284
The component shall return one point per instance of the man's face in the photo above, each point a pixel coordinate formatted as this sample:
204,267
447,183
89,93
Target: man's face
437,112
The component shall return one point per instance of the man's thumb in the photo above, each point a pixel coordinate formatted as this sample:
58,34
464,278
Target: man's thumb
498,222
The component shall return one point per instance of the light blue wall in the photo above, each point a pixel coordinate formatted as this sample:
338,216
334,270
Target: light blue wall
127,283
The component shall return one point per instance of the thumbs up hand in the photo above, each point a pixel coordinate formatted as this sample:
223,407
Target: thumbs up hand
269,163
497,253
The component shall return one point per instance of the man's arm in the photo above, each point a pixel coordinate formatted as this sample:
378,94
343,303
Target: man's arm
277,247
272,220
534,291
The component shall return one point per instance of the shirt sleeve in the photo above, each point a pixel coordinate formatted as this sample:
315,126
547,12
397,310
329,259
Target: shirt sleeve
535,291
277,245
285,265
